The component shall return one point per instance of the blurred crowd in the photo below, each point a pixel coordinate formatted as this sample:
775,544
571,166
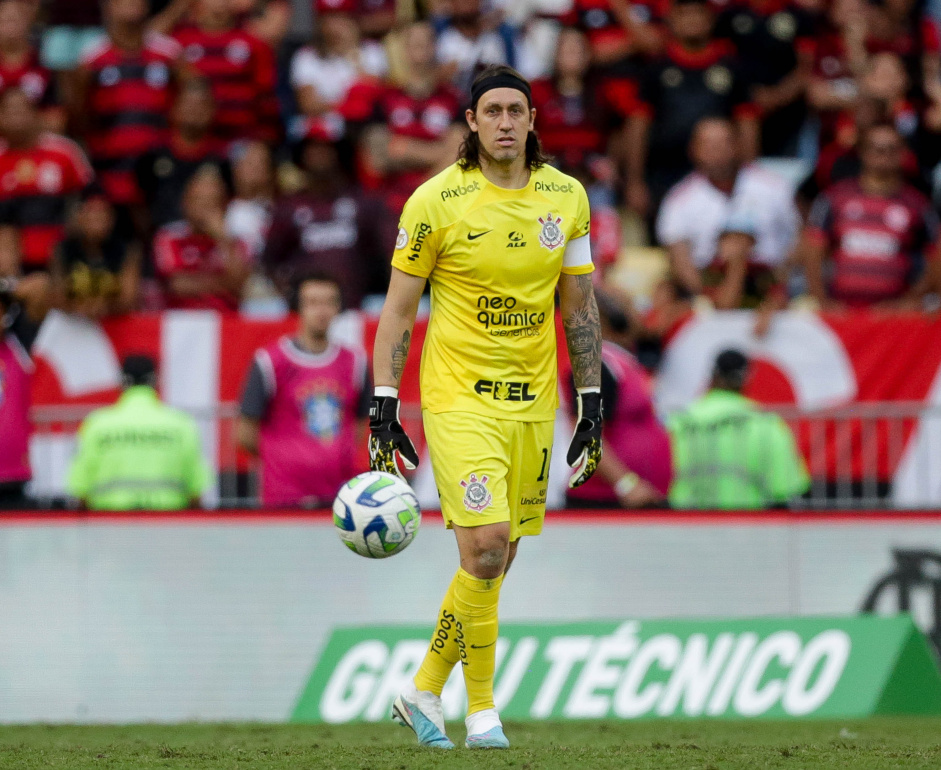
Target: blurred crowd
204,153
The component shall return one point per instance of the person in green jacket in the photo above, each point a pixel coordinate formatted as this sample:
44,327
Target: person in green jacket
139,453
728,453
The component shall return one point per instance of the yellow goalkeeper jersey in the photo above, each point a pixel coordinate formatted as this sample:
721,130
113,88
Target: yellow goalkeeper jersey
493,257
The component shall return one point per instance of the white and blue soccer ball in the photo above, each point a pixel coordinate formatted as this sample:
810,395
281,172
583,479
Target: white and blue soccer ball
376,514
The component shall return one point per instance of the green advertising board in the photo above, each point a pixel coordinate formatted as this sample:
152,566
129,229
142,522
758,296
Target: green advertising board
769,668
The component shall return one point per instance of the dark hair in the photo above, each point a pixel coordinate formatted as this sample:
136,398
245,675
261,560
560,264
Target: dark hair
139,369
311,276
730,370
469,154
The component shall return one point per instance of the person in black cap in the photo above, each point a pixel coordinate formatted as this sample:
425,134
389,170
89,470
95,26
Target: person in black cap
728,452
495,234
138,454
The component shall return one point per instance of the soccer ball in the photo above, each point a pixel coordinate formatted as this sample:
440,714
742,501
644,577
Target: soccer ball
376,514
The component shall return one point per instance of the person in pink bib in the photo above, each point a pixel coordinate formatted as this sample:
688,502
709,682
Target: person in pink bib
636,468
304,405
22,306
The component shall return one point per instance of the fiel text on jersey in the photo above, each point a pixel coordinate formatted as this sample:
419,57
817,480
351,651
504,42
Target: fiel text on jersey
505,391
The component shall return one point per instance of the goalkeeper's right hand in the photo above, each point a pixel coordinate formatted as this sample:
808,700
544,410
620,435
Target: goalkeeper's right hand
387,437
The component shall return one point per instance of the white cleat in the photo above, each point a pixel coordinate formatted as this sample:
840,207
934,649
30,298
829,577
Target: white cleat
421,711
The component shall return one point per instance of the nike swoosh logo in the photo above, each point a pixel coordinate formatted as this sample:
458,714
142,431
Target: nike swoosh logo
482,646
523,521
475,236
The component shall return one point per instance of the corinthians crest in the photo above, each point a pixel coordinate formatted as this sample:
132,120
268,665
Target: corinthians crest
551,235
476,495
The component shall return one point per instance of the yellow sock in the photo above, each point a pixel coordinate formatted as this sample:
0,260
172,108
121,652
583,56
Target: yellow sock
443,653
475,608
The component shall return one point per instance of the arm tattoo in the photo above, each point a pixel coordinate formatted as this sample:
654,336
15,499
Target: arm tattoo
583,335
400,354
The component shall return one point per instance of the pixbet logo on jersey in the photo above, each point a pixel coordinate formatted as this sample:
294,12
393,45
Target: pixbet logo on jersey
457,192
505,391
554,187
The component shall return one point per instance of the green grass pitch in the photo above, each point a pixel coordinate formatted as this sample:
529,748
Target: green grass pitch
863,744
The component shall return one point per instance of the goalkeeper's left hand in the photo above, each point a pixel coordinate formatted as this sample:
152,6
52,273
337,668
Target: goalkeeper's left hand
388,440
585,450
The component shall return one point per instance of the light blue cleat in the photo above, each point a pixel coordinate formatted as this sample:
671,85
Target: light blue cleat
492,739
408,714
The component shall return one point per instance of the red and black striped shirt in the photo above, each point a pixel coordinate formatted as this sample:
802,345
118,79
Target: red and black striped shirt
128,102
241,69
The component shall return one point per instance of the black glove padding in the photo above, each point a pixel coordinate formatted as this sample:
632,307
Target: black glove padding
388,438
585,450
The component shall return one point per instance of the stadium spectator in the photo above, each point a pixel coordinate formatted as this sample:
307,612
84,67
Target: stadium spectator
22,306
635,468
20,67
697,77
414,128
775,45
190,145
577,110
840,56
330,226
902,27
376,18
728,453
878,234
304,405
240,68
618,29
138,454
728,226
469,37
323,73
268,20
41,174
839,159
248,215
888,84
201,266
123,92
96,272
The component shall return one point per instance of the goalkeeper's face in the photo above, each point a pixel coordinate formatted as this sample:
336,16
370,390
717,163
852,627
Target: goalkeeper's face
502,120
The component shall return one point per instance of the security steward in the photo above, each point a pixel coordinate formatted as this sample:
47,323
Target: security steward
139,453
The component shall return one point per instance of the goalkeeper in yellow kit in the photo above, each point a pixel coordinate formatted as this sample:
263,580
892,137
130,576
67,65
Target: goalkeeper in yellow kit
495,234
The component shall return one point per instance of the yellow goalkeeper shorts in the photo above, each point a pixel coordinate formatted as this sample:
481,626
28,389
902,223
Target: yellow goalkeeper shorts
489,470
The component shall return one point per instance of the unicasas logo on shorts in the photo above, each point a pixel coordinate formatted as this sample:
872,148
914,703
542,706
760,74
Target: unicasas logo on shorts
457,192
502,317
